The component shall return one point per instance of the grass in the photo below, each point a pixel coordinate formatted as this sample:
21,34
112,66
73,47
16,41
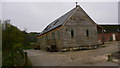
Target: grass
29,63
27,47
18,60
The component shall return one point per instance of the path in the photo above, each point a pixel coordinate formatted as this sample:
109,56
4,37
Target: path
96,57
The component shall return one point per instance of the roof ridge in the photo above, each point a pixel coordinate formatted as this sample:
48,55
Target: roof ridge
77,6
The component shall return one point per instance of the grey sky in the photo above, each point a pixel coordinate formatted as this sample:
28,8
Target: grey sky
0,10
119,13
59,0
35,16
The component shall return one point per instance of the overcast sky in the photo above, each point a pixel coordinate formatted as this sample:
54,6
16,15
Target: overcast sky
35,16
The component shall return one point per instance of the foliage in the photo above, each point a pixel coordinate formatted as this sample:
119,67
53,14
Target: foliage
30,39
13,40
33,36
27,47
11,36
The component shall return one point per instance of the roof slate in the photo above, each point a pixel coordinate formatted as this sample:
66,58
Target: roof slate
110,28
57,22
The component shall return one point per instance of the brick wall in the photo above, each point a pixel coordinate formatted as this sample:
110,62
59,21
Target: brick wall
108,37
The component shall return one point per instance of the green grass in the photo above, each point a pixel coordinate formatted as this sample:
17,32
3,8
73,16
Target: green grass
17,57
29,63
27,47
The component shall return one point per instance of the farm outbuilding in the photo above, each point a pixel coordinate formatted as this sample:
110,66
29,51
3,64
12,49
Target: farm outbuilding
75,29
110,33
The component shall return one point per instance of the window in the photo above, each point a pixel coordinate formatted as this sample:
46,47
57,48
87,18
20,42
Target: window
87,33
56,21
47,27
72,33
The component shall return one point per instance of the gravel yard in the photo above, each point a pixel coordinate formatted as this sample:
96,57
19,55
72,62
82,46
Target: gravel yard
95,57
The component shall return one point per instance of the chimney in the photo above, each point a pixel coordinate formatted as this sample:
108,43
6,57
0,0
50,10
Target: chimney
76,4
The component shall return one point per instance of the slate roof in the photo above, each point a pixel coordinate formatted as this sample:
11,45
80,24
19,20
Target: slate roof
110,28
58,22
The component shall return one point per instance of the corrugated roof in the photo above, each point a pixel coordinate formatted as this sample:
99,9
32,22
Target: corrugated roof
57,22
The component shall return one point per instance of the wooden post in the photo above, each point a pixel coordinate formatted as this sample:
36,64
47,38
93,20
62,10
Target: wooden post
26,58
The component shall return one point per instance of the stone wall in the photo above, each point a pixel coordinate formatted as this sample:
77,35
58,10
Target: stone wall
49,39
78,30
82,26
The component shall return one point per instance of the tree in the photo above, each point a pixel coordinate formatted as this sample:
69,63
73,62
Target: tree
11,36
12,39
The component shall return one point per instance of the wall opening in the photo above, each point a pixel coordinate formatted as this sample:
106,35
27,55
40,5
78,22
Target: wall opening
72,33
87,33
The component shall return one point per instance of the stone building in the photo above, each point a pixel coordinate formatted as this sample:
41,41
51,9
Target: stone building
75,29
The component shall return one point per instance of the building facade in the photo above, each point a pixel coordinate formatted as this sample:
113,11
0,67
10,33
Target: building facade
110,33
75,29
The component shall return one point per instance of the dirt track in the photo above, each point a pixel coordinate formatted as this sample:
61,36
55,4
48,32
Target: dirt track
96,57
